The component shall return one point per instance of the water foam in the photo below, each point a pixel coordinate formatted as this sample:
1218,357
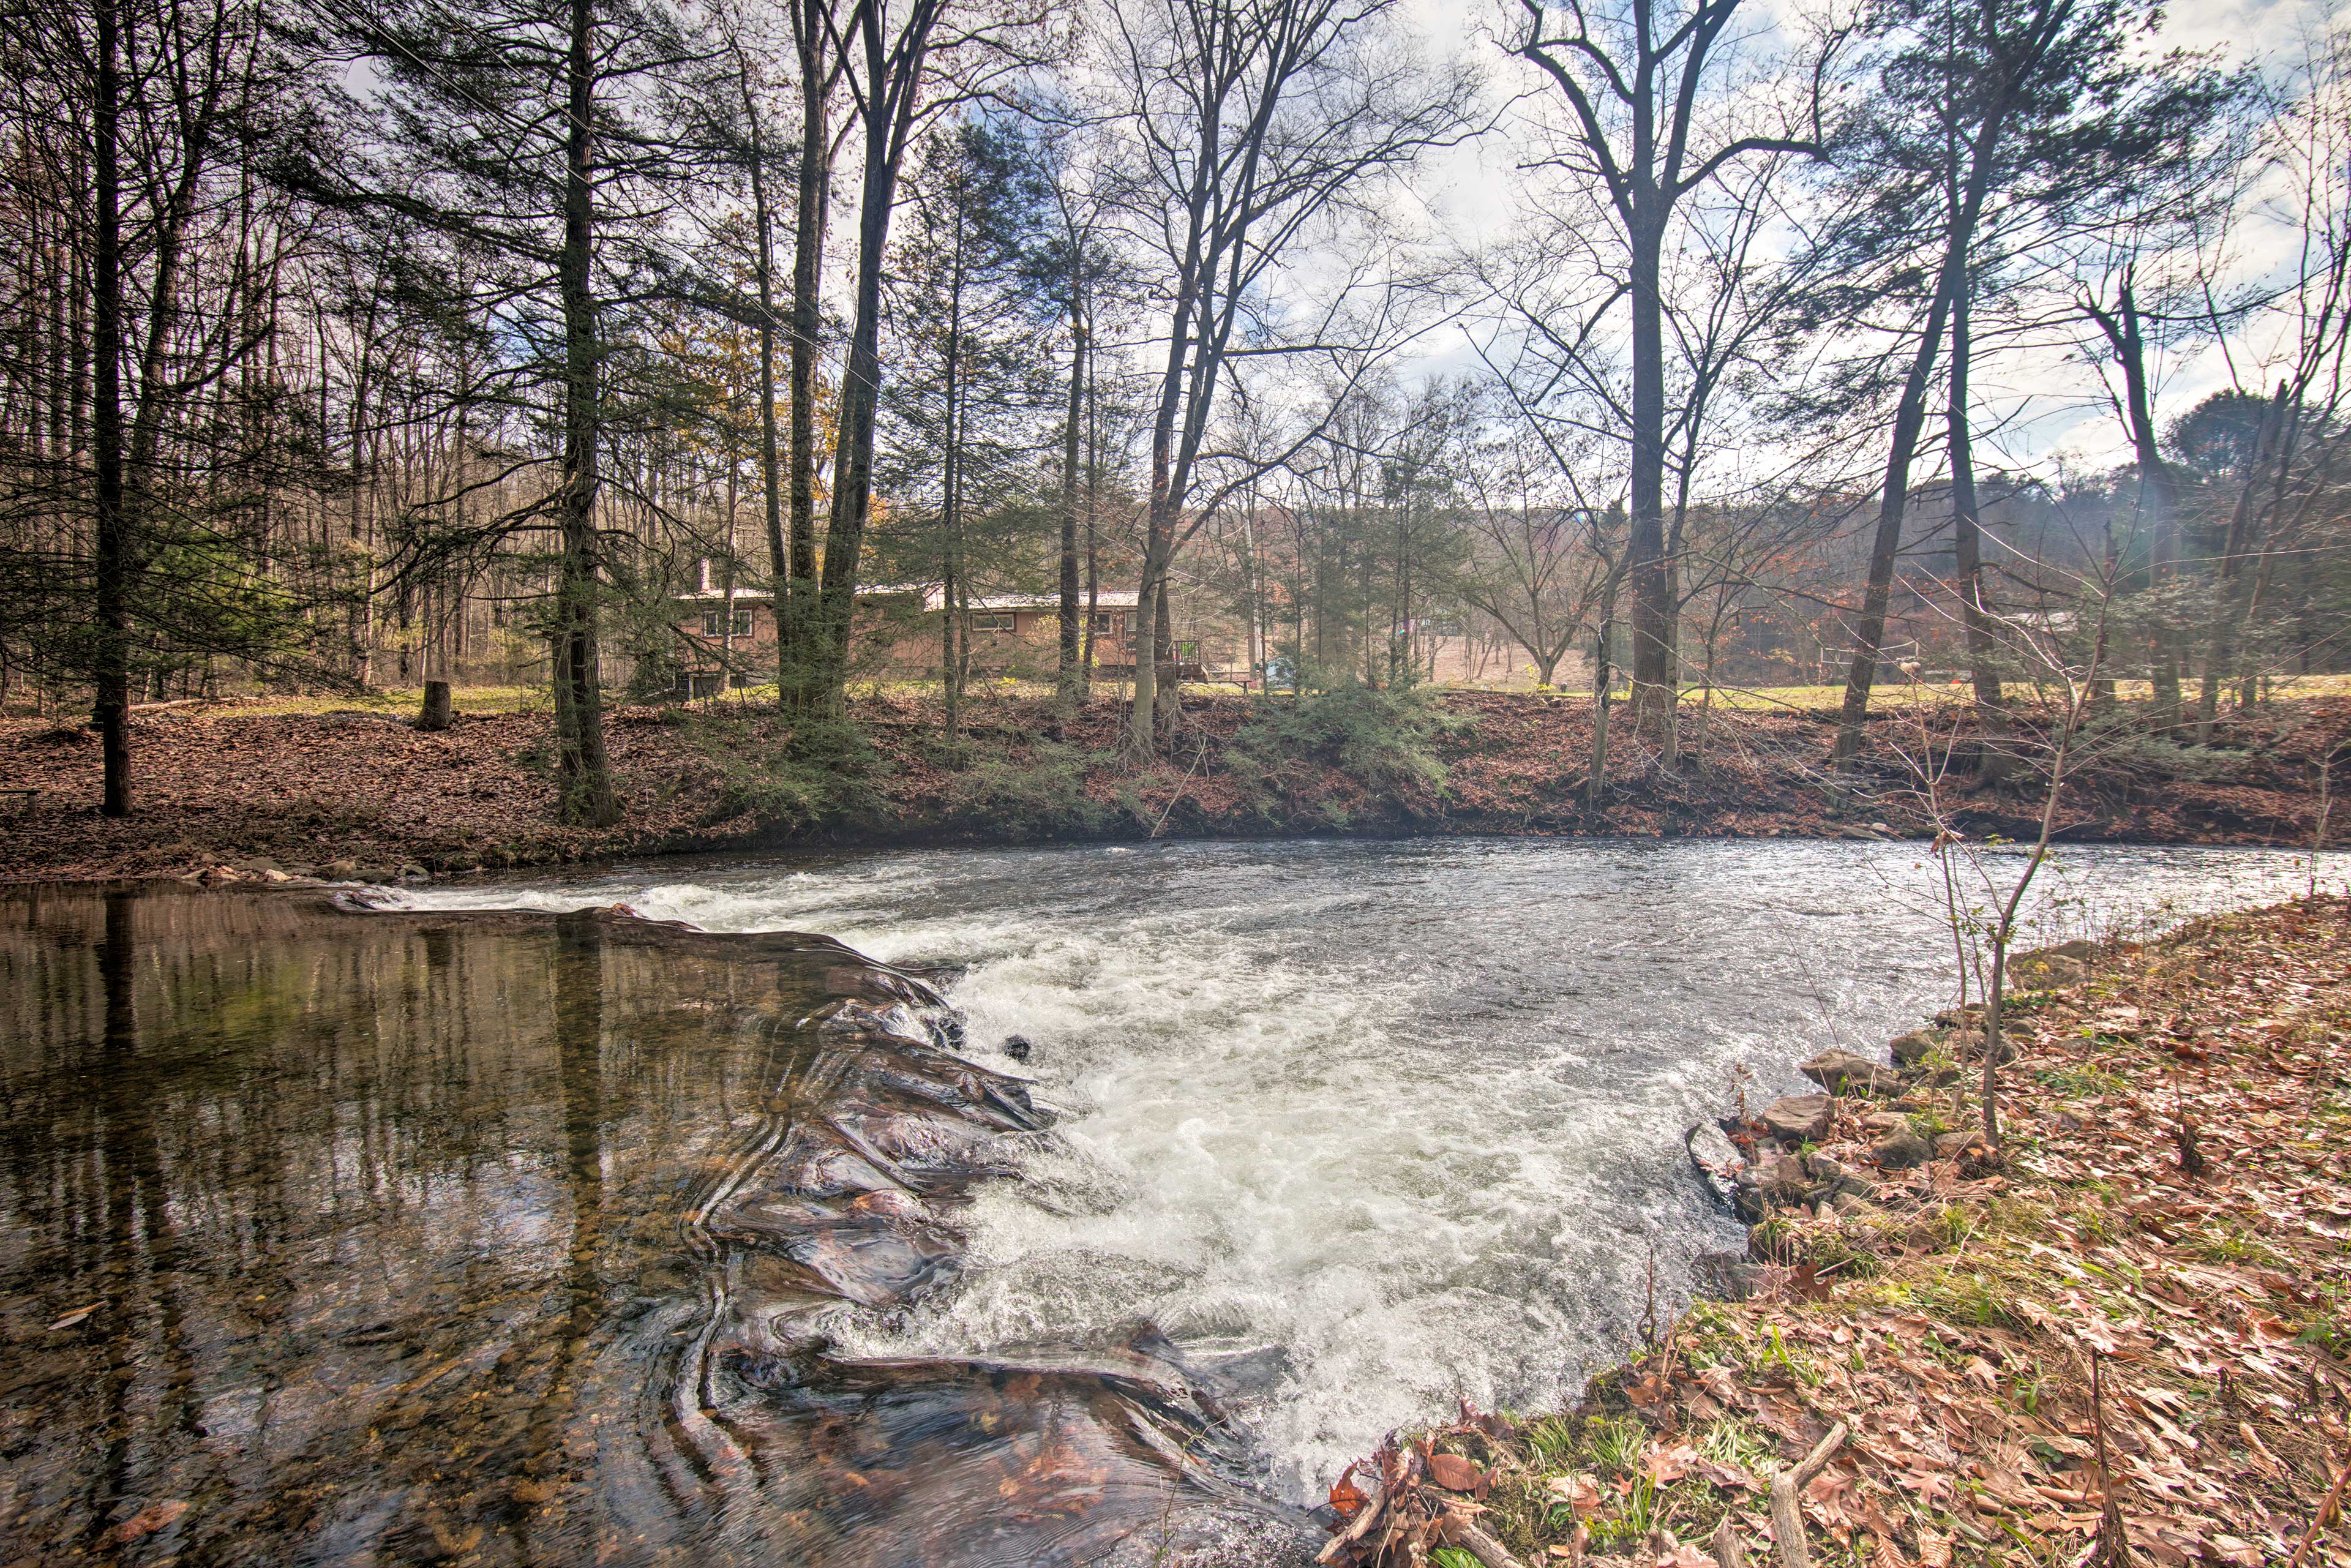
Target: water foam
1377,1125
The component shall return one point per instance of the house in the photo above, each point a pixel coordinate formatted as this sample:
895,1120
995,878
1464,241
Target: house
730,638
729,635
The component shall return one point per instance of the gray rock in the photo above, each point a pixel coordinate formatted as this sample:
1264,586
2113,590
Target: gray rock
413,872
1968,1045
1782,1178
1797,1117
1901,1149
1910,1049
1839,1071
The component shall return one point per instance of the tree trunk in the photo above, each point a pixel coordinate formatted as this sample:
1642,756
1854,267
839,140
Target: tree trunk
1909,416
1595,787
796,672
888,120
1992,759
587,780
2220,648
1070,688
954,655
111,672
1651,573
2159,503
771,488
439,712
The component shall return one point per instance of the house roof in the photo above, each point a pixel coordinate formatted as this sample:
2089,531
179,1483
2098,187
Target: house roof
1105,598
934,597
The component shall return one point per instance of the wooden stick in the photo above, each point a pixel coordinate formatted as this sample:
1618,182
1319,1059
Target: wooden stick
1787,1501
2318,1521
1728,1553
1365,1517
1459,1531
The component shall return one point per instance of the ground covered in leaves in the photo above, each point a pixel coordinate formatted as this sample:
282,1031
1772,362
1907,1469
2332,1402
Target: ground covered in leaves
2118,1338
251,786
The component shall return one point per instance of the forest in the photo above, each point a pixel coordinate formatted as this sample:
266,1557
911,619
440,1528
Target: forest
1176,783
1666,355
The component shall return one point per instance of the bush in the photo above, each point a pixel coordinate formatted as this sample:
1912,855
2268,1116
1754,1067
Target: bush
1045,794
1381,739
823,770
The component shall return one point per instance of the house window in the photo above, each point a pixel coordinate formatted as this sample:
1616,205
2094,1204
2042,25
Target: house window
991,620
1109,624
714,623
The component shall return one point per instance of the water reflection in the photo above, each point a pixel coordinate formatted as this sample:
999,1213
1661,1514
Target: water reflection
330,1239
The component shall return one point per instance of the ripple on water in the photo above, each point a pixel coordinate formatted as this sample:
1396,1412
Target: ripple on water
1380,1124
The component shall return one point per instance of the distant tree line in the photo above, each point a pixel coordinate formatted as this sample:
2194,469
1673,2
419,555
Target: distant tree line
1654,338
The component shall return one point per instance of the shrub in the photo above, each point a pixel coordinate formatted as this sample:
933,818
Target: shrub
1044,794
1382,740
823,770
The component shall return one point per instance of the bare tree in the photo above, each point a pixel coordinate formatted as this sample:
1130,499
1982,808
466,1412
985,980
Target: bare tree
1254,125
1640,79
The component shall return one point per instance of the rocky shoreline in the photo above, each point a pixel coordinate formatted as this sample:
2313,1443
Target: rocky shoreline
1786,1163
2119,1336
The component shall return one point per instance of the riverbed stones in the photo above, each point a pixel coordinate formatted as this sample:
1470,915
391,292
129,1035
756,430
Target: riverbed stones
1899,1148
1773,1181
1839,1071
1797,1118
1968,1045
1910,1049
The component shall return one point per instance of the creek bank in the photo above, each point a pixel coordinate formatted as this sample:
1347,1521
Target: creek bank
219,784
2120,1335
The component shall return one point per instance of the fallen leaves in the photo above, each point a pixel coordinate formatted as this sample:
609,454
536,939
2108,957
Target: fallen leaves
224,781
1960,1361
155,1516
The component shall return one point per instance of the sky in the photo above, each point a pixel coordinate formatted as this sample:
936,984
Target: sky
2051,412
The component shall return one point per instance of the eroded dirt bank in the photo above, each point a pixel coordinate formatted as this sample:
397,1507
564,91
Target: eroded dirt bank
218,784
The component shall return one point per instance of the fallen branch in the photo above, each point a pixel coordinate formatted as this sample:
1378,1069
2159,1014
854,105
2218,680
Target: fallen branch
1787,1504
1458,1530
2325,1512
1365,1517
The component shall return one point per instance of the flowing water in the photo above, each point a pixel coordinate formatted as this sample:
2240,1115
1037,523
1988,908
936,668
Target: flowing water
396,1255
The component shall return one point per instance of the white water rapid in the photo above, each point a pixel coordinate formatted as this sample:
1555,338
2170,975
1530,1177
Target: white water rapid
1376,1125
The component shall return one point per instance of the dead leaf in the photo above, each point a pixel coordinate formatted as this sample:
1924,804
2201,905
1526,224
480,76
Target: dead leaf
75,1316
1580,1492
147,1520
1666,1465
1455,1473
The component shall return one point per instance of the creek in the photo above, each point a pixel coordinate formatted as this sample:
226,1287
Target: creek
395,1253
